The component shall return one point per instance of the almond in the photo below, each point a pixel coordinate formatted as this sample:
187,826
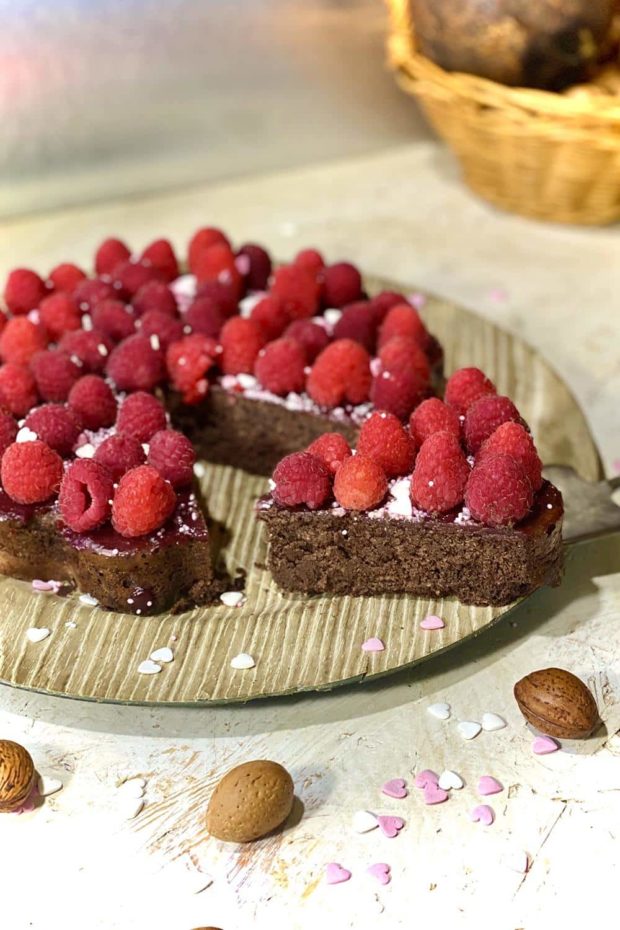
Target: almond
17,775
250,801
557,703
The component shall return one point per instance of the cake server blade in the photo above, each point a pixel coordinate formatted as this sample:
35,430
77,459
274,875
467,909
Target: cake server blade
590,510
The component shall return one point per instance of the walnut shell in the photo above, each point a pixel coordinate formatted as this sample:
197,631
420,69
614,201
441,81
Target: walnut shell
250,801
17,775
557,703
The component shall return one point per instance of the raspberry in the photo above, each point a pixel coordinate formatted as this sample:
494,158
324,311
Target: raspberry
383,439
398,392
59,314
120,454
300,478
257,277
332,449
31,472
205,316
298,291
440,474
3,320
217,263
155,295
342,284
140,416
433,416
90,347
310,259
383,302
129,277
402,352
134,365
360,483
340,374
241,341
160,255
20,340
111,317
56,425
188,362
311,336
404,321
54,373
202,240
24,290
90,292
66,277
225,295
465,386
172,454
85,494
484,416
168,329
358,322
280,367
270,316
514,440
8,431
110,253
142,503
93,402
18,389
498,492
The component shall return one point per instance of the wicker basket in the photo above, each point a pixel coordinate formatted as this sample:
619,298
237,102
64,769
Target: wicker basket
546,155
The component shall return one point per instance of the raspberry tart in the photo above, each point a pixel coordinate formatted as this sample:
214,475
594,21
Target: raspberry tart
452,505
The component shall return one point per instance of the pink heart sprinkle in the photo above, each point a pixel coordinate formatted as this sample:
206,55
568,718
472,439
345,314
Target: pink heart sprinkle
543,745
380,871
374,644
390,826
489,785
426,777
433,794
39,585
432,623
483,814
395,788
335,873
417,300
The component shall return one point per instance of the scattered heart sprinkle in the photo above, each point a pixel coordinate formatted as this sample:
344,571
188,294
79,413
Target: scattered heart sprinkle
492,722
395,788
433,794
88,600
374,644
48,785
426,777
165,654
381,871
449,780
37,633
335,873
543,745
468,729
441,711
483,814
432,623
71,625
232,598
489,785
243,660
364,821
52,587
390,826
148,667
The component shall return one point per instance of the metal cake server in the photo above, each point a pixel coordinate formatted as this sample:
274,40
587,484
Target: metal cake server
590,510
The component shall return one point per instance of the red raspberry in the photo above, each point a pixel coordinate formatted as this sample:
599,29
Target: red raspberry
465,386
110,253
160,255
90,292
514,440
340,374
120,454
155,295
31,472
312,336
54,373
205,316
66,277
134,365
56,425
383,302
3,320
360,483
300,478
24,290
188,362
59,314
20,340
332,449
143,502
404,321
8,431
241,341
342,284
167,328
129,277
217,263
279,367
113,319
310,259
270,316
172,454
259,272
93,402
358,322
498,492
440,474
484,416
383,439
85,495
298,291
202,240
433,416
140,416
398,392
225,295
18,389
402,352
90,347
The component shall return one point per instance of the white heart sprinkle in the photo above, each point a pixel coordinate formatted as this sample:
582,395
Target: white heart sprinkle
200,470
36,633
441,711
26,435
517,860
448,780
148,667
364,821
131,807
468,729
86,451
88,599
232,598
243,660
132,789
71,624
165,654
493,722
48,785
332,315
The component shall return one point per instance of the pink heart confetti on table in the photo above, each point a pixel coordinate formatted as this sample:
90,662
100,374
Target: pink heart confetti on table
380,871
432,623
52,586
489,785
335,873
390,826
543,745
374,644
395,788
433,794
483,814
426,777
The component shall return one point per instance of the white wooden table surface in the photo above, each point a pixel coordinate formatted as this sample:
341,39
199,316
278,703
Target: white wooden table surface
78,862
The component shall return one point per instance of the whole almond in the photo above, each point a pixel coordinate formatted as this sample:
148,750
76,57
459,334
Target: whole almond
250,801
17,775
557,703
